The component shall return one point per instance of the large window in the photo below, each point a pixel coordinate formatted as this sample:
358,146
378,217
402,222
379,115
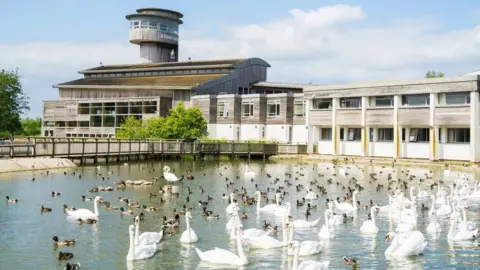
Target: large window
326,134
457,98
83,108
381,101
416,100
458,135
222,109
273,109
247,109
322,103
385,134
163,28
299,108
355,102
354,134
419,135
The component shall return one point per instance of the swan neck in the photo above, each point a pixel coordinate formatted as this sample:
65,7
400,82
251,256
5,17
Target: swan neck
464,216
295,258
290,235
372,212
258,200
187,220
355,206
326,219
95,207
137,232
131,249
241,254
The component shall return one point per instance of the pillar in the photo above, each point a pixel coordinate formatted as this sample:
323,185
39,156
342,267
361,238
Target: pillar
474,156
335,129
365,130
433,128
397,130
310,133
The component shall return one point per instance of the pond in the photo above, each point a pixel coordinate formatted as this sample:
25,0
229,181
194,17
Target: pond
26,233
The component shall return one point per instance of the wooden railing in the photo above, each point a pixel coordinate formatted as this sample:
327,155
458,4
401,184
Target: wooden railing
100,147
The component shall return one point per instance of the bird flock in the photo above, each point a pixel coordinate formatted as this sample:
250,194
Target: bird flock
408,194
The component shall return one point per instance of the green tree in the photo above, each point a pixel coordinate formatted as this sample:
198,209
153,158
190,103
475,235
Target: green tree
13,102
31,127
132,129
434,74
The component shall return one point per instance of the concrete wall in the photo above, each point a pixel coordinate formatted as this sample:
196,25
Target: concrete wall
212,130
277,133
250,132
325,147
350,148
381,149
415,150
300,134
453,151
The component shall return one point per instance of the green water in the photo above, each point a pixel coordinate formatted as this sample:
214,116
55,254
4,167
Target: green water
25,233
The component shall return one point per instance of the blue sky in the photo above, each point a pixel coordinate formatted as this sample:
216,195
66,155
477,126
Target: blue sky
50,40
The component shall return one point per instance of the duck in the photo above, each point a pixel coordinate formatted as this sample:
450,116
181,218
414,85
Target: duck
405,244
45,209
350,261
66,242
86,221
66,208
173,223
64,255
10,200
72,266
84,198
123,212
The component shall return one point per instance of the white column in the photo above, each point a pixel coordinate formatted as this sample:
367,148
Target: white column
474,149
397,131
365,132
432,129
309,127
335,130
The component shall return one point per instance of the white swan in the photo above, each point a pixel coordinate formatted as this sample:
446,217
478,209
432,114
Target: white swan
253,232
434,226
139,252
85,213
301,223
311,195
267,208
458,234
146,238
369,226
231,206
170,177
422,195
467,225
189,235
268,242
249,173
412,197
346,207
325,232
306,265
446,209
405,244
334,219
306,248
225,257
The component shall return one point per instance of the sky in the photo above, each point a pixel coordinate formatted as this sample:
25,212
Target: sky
308,41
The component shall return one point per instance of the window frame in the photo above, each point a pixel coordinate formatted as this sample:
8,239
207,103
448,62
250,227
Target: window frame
417,134
382,132
343,102
467,98
353,135
329,133
455,132
317,101
250,108
296,103
382,106
405,100
221,113
276,113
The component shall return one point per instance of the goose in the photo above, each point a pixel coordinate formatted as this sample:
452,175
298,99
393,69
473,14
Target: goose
306,248
434,226
146,238
188,236
72,266
405,244
306,265
67,242
346,207
325,232
139,252
249,173
85,213
369,225
170,177
268,242
225,257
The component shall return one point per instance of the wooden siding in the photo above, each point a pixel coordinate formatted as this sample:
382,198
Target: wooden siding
181,96
208,107
379,117
349,117
286,109
234,109
321,117
414,116
452,115
108,94
259,110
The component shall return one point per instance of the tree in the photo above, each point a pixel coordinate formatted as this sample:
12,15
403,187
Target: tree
434,74
31,127
132,129
13,102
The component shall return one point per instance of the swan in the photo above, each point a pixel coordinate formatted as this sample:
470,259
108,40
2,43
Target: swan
475,194
346,207
434,226
387,208
249,173
268,242
146,238
467,225
267,208
306,265
446,209
311,195
253,232
230,207
325,232
306,248
189,235
422,195
85,213
412,197
225,257
369,225
139,252
170,177
432,208
301,223
405,244
460,233
283,210
335,219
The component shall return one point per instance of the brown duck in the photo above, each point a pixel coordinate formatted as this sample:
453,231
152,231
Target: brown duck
45,209
66,242
64,255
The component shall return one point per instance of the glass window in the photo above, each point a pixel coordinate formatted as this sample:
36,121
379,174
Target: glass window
83,108
355,102
381,101
222,109
83,124
48,123
163,28
326,134
109,121
419,135
458,135
135,24
72,123
299,108
354,134
273,109
323,103
95,121
153,25
457,98
342,131
416,100
385,134
59,123
247,109
144,25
